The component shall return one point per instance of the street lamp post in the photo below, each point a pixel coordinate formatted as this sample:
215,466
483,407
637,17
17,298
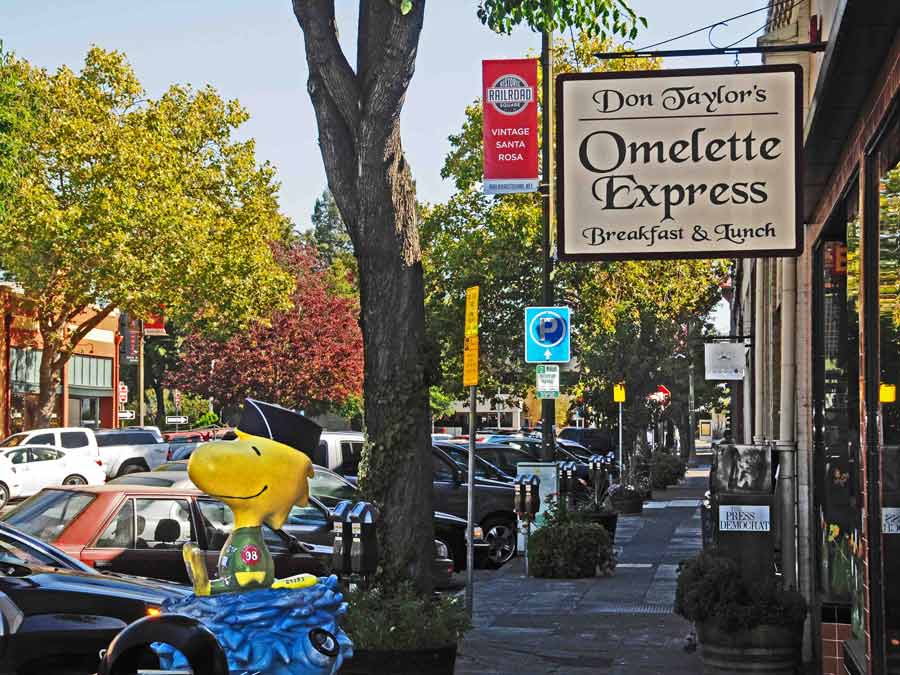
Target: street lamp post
548,405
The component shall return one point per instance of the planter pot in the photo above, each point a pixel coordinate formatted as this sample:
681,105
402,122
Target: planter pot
630,504
607,520
774,650
438,661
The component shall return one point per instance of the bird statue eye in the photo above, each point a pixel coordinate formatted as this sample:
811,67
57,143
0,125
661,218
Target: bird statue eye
256,450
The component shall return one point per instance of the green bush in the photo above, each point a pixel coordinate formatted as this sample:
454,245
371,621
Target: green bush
566,546
666,469
710,589
403,619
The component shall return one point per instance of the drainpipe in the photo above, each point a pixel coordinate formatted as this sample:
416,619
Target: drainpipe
786,446
759,337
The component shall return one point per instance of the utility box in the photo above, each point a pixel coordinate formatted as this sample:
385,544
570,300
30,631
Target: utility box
742,488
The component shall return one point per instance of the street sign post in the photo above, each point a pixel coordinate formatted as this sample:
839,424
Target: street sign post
547,377
470,379
126,415
123,392
619,397
547,335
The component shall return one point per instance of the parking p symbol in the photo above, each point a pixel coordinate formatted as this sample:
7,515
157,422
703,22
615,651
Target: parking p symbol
547,327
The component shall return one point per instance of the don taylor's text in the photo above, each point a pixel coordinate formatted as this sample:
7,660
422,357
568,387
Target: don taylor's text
679,98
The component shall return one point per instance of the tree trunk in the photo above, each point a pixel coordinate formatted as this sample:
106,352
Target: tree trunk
49,379
160,403
358,116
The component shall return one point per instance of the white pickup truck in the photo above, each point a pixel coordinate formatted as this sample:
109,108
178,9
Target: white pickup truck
121,451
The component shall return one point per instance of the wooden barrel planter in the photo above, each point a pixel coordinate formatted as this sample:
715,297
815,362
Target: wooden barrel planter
773,650
438,660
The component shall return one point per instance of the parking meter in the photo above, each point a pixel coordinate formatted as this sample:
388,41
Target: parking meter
532,495
519,496
364,549
343,536
596,471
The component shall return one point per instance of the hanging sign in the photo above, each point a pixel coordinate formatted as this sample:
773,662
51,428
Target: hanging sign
724,360
679,163
619,393
509,100
155,325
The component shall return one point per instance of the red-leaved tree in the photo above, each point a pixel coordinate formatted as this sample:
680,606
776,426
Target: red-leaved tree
309,357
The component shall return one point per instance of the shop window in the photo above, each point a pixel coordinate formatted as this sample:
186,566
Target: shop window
836,401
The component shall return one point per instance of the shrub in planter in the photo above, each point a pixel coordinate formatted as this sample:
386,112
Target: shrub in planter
569,546
625,498
666,469
739,623
399,631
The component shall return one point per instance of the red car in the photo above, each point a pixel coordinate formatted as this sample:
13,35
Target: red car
140,530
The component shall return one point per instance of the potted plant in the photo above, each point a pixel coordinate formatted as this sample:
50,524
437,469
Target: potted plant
400,631
568,545
666,469
753,627
626,499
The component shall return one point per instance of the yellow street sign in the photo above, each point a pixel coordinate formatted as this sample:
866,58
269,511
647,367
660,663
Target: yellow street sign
470,361
471,311
619,392
887,393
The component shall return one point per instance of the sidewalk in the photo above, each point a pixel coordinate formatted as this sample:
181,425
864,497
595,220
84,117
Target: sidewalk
620,625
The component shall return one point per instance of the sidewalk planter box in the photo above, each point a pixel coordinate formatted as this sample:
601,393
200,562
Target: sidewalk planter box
774,650
438,660
629,504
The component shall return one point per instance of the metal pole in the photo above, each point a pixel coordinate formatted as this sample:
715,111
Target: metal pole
470,504
548,405
140,391
621,447
692,428
759,366
787,451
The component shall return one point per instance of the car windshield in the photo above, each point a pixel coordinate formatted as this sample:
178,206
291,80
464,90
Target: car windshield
48,513
152,481
326,484
13,441
21,549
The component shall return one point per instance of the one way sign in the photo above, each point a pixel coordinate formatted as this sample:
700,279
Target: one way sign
547,335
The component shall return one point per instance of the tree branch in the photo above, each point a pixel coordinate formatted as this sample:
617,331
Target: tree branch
81,332
386,56
326,59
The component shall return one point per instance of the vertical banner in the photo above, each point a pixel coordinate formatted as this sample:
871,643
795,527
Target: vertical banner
470,351
509,100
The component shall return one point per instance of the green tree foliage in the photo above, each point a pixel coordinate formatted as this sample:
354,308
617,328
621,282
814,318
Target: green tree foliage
628,316
140,204
329,236
596,18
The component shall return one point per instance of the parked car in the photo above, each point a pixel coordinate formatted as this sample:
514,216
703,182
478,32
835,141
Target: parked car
533,447
39,466
10,485
459,452
493,502
59,614
131,449
327,489
183,443
140,530
597,441
576,449
76,439
340,451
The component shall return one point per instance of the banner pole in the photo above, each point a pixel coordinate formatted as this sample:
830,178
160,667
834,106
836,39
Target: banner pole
470,505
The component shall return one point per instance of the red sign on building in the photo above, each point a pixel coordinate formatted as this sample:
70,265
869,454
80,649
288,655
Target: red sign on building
509,99
155,324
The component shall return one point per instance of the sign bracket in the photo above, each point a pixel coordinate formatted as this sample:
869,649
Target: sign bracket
716,51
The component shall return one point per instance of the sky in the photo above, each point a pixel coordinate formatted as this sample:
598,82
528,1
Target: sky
252,50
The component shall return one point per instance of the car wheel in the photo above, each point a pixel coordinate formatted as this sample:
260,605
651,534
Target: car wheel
131,468
500,534
4,495
75,479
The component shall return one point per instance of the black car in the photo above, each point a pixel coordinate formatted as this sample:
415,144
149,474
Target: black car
493,501
58,614
597,441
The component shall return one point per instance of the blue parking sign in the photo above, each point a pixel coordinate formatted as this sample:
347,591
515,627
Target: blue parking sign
547,335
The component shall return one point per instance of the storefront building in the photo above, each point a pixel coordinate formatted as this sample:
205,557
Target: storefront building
86,396
829,322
